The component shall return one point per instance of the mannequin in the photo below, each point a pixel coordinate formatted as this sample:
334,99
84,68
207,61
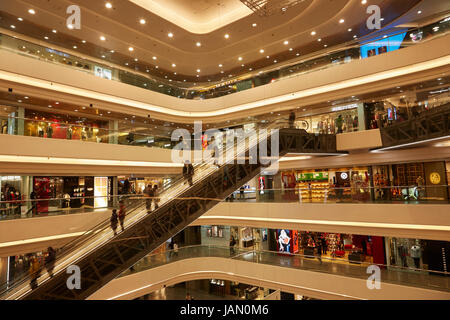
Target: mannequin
415,254
40,130
83,134
69,133
49,131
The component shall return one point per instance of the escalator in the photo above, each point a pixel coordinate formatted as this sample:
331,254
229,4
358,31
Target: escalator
101,256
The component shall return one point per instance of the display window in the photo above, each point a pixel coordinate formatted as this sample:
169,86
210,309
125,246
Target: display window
404,253
346,120
48,125
100,192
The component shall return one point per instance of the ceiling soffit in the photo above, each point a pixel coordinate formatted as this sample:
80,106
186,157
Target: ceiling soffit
197,16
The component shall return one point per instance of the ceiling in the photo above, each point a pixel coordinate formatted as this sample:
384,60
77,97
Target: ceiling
197,16
283,36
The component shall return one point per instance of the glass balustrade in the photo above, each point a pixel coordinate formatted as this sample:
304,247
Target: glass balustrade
23,209
424,278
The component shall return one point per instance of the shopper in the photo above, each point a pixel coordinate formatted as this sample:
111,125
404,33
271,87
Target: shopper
122,213
186,170
175,249
190,173
232,244
291,120
50,261
33,203
241,192
319,251
34,271
150,194
155,196
114,221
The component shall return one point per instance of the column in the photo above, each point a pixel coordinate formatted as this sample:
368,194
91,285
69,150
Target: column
20,121
115,189
113,133
361,117
26,188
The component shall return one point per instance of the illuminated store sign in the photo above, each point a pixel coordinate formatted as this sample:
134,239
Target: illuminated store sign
347,107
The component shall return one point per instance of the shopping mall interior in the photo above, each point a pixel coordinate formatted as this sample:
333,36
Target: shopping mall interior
224,150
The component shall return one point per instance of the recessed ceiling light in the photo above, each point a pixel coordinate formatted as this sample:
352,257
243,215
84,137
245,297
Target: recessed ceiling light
102,38
242,65
227,36
54,31
142,21
319,39
419,12
341,21
261,51
198,70
50,106
26,97
13,26
297,54
103,57
156,67
130,49
170,34
84,41
174,65
19,100
221,71
325,45
76,110
175,73
313,33
198,44
220,65
290,49
254,25
275,61
136,59
75,47
31,11
286,42
112,51
267,57
364,1
355,36
70,26
20,19
250,69
154,58
108,5
349,29
240,58
126,63
46,38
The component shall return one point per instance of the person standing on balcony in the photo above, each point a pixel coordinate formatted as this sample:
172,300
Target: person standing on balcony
292,120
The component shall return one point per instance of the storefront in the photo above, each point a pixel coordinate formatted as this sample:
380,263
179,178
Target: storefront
72,192
322,185
59,126
137,185
420,181
354,248
334,119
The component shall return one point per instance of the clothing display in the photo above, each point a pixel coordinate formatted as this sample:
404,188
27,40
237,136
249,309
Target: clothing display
49,131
